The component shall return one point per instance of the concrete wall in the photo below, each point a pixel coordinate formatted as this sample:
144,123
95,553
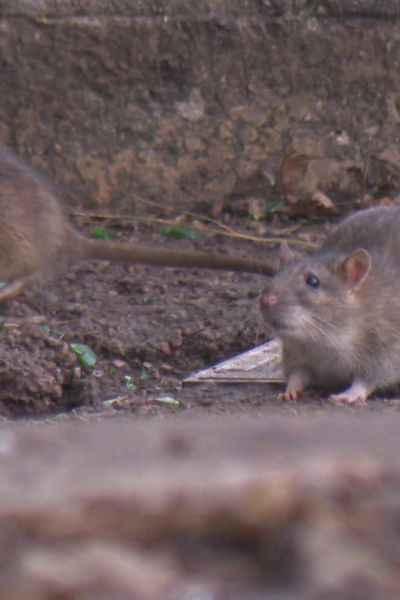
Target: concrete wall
186,102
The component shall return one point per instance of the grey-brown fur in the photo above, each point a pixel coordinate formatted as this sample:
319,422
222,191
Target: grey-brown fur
345,330
37,239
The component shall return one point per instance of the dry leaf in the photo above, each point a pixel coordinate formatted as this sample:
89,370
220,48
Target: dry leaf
323,200
306,183
293,172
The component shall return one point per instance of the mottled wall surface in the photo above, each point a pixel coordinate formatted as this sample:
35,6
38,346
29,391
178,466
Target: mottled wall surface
181,101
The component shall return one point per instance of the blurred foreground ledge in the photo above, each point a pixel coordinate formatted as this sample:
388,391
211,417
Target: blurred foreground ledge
222,508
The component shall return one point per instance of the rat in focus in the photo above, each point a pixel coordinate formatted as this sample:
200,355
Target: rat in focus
337,312
37,239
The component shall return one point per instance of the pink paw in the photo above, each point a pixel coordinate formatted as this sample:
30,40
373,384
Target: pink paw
357,393
289,396
344,398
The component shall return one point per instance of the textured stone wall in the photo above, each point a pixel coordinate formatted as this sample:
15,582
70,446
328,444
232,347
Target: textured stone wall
182,102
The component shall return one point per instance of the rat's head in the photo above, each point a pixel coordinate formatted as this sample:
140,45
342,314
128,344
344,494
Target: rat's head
314,298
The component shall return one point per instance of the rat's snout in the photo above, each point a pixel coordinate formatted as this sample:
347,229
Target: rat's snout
272,306
268,299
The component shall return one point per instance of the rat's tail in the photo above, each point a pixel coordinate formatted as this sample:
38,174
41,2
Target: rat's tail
134,253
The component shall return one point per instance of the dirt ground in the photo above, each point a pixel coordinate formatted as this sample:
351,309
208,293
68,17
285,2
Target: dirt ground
149,328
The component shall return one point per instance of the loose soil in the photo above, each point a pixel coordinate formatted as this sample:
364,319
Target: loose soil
149,328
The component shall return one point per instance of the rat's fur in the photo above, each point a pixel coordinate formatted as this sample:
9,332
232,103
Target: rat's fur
346,331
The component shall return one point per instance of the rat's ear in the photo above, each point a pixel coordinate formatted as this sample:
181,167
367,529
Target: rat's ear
286,255
354,269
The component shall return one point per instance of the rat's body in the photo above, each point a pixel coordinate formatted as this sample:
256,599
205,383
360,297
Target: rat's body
337,312
36,238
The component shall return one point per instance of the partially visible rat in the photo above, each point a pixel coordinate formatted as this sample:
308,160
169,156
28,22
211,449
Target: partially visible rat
337,312
37,239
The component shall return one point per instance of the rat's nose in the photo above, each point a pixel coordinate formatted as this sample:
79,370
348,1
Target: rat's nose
268,299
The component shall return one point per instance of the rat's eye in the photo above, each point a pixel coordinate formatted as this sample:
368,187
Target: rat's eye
312,280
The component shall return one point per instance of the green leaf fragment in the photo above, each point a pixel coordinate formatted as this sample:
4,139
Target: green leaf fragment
129,382
168,400
144,374
181,232
115,401
255,216
272,205
103,234
86,356
109,402
112,371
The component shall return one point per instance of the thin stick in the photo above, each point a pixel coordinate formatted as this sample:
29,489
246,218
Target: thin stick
229,233
229,229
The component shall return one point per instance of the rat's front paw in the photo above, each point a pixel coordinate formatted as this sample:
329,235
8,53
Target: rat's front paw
288,396
295,386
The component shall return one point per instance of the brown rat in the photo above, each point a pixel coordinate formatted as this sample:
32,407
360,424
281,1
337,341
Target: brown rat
36,238
337,312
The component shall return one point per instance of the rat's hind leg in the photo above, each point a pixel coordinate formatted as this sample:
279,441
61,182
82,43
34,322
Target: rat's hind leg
357,393
12,289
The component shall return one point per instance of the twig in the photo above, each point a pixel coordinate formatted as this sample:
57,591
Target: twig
188,214
227,232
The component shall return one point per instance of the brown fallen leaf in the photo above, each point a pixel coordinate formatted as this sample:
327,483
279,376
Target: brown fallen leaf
323,200
292,174
307,183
